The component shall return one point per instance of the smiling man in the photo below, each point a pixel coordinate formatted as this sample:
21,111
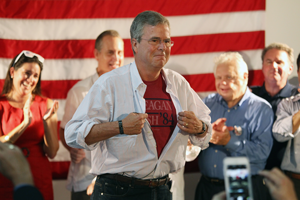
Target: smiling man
277,65
109,53
137,119
247,131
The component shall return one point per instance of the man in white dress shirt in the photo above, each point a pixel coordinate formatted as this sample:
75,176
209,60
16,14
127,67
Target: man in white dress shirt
138,118
109,53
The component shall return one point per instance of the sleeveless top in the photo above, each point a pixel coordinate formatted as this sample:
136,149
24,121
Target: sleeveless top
31,143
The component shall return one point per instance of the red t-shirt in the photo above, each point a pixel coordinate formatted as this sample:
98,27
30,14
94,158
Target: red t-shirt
161,112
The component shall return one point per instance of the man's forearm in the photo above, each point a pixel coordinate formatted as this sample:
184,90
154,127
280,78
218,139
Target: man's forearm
132,124
62,138
203,131
103,131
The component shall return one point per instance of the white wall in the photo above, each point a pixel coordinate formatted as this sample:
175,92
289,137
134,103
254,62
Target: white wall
281,26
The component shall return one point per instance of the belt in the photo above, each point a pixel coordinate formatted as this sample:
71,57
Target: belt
150,182
293,175
33,151
214,180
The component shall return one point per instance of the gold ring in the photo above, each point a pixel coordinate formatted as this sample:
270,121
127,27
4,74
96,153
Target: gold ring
186,124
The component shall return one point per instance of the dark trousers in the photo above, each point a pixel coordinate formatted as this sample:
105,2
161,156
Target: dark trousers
207,189
296,186
111,189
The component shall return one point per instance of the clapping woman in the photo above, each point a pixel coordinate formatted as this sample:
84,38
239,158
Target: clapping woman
28,120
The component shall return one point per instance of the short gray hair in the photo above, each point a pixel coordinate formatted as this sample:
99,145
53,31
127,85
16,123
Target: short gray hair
231,57
281,47
145,18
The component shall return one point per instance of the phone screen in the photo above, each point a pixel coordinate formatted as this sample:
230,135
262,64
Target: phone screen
238,176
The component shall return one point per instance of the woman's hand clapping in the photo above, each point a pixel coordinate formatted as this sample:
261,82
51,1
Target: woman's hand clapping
51,111
26,111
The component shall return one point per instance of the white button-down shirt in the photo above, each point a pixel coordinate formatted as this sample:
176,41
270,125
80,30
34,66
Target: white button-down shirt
79,177
119,93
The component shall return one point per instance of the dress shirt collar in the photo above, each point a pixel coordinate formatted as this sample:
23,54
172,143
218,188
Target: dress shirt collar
166,79
139,87
286,91
135,77
244,98
138,82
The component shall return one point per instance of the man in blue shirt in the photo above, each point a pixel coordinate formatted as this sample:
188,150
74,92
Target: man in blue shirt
247,131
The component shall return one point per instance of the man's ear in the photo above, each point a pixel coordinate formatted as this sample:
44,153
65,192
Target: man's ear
96,53
134,44
245,75
291,67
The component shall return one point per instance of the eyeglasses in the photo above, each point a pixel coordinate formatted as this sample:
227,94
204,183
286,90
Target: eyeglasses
29,54
157,41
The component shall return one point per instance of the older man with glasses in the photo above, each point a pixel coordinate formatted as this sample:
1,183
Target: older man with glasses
137,119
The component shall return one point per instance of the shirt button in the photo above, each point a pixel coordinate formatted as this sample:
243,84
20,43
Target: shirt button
228,110
215,166
216,151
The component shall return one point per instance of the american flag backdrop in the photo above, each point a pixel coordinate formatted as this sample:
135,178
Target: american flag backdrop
64,31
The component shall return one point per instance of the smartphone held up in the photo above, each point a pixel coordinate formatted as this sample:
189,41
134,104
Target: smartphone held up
237,176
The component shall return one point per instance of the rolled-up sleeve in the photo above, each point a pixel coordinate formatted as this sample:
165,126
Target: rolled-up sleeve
202,113
283,126
94,109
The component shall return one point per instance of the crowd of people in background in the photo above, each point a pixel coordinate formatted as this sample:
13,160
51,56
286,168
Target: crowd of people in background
120,145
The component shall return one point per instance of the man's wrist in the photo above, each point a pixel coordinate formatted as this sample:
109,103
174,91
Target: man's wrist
121,127
204,129
7,139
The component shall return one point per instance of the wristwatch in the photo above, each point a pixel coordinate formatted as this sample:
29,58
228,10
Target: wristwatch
203,129
121,127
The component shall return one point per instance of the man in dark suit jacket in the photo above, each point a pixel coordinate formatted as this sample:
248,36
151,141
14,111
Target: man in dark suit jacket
14,166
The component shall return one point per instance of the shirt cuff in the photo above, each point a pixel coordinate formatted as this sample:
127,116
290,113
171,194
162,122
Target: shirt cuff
83,131
202,142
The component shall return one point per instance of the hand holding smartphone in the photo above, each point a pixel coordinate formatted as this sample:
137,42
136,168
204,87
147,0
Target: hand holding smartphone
237,177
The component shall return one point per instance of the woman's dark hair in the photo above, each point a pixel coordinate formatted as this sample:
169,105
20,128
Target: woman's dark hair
8,82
